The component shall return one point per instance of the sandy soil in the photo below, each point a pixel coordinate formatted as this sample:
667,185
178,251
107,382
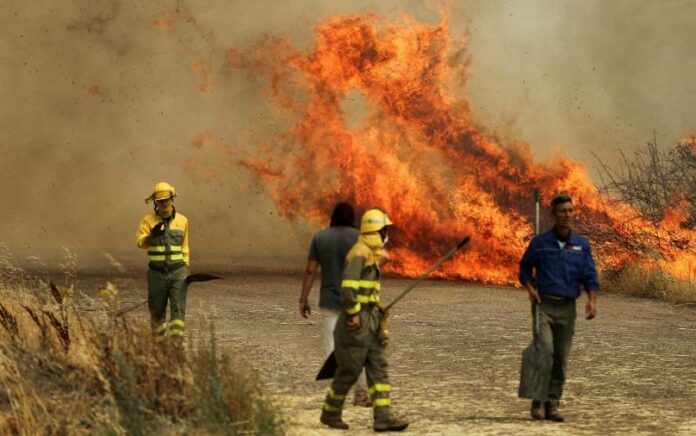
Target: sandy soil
455,356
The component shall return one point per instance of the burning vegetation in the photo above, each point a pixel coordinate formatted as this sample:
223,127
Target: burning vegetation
413,146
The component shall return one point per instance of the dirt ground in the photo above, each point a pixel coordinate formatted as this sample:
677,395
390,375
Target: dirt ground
455,355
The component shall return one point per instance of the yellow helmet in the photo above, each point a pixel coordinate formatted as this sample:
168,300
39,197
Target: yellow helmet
161,191
374,220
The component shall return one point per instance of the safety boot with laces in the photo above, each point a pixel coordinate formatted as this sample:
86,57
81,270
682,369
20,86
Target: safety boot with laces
333,420
391,424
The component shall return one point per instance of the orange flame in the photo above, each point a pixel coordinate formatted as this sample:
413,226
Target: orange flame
416,151
206,84
167,24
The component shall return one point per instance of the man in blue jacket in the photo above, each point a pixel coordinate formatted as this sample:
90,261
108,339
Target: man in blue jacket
552,269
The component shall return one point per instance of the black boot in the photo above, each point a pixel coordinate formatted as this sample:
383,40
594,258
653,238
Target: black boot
537,410
333,420
552,414
390,424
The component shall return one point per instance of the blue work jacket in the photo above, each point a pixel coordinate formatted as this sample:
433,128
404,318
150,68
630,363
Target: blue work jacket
559,272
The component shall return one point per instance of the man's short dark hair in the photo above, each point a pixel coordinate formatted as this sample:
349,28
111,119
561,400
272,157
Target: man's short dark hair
343,215
560,199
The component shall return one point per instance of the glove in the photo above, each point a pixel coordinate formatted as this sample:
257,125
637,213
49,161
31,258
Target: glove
157,230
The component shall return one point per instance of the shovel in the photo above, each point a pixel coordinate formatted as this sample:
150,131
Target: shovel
191,278
535,373
328,370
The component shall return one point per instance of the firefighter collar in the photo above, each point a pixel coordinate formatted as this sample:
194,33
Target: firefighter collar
167,219
374,241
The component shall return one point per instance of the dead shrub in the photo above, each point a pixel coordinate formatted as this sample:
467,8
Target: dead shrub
62,372
649,282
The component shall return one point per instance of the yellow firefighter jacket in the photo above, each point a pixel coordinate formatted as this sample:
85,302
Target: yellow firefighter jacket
360,285
170,250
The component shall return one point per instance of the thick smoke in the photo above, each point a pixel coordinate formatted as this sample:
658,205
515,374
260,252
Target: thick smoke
103,99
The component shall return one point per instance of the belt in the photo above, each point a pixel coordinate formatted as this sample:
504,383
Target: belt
555,298
165,269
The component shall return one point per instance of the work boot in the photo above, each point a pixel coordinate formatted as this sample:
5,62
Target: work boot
333,420
552,414
361,398
391,424
537,411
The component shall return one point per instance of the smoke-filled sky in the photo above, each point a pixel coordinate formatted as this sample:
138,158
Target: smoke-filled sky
101,99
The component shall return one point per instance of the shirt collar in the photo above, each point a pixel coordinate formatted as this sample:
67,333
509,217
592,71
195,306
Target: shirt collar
560,237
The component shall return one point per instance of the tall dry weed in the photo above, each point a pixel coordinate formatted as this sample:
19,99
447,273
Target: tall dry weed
66,371
640,281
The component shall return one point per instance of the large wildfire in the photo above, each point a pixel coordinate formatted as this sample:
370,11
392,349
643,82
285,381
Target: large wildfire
375,121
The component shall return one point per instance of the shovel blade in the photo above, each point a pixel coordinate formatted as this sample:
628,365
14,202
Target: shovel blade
535,373
328,370
201,277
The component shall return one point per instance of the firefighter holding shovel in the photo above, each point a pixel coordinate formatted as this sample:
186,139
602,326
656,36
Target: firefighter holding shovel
552,269
164,234
357,338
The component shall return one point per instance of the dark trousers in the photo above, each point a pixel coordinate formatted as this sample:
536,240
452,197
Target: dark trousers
355,351
167,287
556,329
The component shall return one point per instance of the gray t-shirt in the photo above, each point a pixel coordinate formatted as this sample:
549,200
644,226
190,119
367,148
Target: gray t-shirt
329,248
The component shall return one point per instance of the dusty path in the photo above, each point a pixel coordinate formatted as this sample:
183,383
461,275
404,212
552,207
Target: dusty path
455,357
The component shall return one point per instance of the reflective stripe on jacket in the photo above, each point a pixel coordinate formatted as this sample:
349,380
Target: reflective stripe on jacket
360,285
169,250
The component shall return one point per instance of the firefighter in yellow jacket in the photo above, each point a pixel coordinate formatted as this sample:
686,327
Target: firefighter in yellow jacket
164,234
357,338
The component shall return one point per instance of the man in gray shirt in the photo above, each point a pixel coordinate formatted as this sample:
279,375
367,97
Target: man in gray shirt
328,252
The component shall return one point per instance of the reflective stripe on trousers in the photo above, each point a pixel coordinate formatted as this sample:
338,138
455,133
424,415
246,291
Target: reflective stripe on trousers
355,351
167,288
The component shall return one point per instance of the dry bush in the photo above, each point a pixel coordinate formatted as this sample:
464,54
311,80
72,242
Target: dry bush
63,373
655,182
650,282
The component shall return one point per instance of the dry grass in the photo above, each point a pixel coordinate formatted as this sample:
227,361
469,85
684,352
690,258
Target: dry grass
62,372
639,281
